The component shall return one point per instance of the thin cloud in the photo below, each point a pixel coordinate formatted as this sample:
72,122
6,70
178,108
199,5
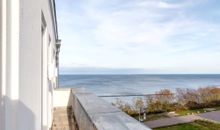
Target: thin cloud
137,34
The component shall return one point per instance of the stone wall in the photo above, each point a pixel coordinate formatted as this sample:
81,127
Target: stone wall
94,113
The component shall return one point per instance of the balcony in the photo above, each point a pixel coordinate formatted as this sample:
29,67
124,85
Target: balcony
77,109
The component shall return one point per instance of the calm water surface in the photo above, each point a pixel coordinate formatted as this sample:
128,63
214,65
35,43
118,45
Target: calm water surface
136,84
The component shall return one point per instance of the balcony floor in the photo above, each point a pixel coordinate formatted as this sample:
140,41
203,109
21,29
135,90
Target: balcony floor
63,119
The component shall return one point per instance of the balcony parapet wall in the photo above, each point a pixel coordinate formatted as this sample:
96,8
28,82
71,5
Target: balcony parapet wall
94,113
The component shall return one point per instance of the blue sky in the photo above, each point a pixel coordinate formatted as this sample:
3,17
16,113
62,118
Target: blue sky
139,36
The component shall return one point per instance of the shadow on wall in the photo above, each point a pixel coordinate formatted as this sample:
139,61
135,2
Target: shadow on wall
70,104
17,115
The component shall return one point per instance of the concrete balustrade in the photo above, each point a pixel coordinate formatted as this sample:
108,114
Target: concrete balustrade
94,113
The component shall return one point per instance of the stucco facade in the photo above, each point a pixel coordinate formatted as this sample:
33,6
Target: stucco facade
29,49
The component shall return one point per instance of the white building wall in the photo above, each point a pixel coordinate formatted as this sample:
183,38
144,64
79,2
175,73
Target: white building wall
26,88
1,99
3,62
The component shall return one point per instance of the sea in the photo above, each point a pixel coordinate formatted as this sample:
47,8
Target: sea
103,85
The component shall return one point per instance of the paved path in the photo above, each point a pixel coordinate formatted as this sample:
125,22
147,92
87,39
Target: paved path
212,116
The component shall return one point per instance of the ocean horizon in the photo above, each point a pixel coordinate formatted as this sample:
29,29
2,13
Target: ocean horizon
111,84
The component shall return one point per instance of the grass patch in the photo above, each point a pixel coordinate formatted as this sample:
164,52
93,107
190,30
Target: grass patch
209,125
152,117
217,108
183,127
196,111
185,112
196,125
155,117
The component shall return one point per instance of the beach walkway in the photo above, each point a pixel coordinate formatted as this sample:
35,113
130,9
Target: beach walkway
211,116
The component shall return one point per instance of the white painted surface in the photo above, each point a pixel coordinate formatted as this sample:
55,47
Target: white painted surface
14,38
11,62
61,98
24,86
1,99
3,62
